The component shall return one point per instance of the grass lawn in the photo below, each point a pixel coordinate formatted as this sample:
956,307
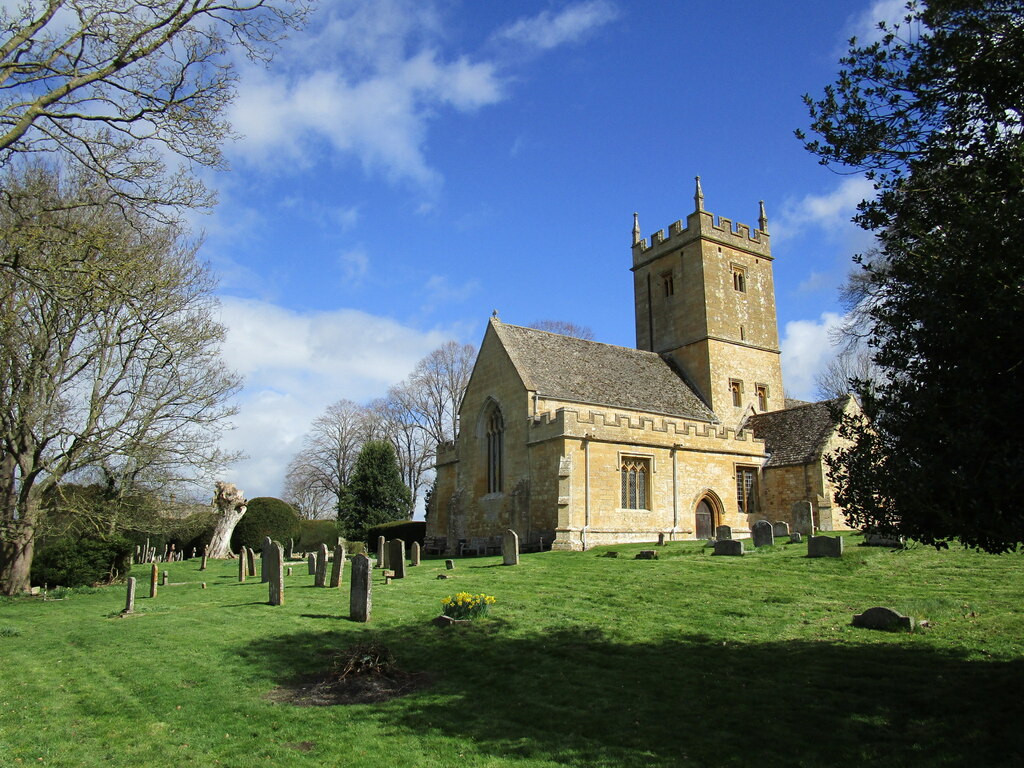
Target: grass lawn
585,660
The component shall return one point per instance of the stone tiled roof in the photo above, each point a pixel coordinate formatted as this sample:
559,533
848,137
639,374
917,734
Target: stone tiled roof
588,372
797,435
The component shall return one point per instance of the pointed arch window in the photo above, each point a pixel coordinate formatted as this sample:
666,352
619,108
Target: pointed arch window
495,449
635,472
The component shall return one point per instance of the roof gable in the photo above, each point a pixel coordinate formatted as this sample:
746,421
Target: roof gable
797,435
575,370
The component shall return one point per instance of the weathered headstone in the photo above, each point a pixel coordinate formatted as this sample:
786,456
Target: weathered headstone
242,570
273,569
803,518
311,562
289,570
883,618
129,602
872,539
414,553
780,528
449,565
510,548
264,575
396,557
203,585
360,601
824,546
163,579
647,554
723,533
321,567
661,539
381,554
251,561
338,566
795,537
154,574
731,547
202,565
289,550
763,534
387,556
388,576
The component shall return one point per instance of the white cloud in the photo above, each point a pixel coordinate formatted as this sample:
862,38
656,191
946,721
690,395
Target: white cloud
295,364
864,26
830,212
355,263
548,30
806,350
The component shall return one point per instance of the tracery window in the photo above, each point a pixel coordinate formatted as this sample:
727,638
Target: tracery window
739,279
635,473
746,489
495,448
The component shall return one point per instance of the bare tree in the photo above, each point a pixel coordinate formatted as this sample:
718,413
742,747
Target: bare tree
415,448
564,328
101,81
433,392
310,499
109,351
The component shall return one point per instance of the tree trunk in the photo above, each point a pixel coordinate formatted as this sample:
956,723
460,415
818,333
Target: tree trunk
220,542
17,542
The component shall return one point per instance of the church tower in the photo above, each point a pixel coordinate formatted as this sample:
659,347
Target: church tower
705,299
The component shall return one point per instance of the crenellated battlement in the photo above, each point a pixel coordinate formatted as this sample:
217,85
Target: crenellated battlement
702,225
639,429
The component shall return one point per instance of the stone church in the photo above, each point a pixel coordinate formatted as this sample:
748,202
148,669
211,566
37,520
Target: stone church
575,443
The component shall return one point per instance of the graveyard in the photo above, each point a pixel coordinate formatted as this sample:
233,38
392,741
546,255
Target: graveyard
595,658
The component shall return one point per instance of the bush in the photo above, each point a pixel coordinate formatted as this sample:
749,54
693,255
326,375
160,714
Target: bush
406,530
81,561
265,516
313,533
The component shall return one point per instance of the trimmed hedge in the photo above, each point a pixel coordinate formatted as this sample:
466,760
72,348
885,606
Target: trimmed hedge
406,530
81,561
265,516
313,533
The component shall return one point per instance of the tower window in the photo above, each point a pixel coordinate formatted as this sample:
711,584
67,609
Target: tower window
739,279
736,389
762,397
667,284
746,489
743,333
495,439
634,473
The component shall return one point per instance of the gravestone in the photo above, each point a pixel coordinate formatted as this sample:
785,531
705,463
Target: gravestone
381,553
321,567
163,579
241,566
780,528
338,566
203,585
273,569
290,549
264,575
289,570
129,602
795,538
251,561
730,547
824,546
311,561
360,601
803,518
661,539
647,554
763,533
153,576
872,539
883,618
449,565
202,565
396,558
510,548
414,553
723,533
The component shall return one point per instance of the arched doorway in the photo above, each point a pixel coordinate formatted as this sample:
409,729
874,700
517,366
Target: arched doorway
705,519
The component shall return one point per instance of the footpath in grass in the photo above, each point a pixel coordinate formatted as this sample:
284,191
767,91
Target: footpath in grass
585,660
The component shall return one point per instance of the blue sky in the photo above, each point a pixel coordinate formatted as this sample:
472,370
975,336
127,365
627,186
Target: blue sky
408,166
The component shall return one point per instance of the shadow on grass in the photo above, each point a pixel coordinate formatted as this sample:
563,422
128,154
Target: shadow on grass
574,697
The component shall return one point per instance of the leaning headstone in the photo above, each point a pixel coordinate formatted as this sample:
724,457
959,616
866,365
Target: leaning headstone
414,553
396,557
273,569
381,554
311,562
824,546
723,533
163,579
360,600
264,575
661,539
251,561
763,533
510,548
338,566
449,565
780,528
732,547
795,538
154,574
647,554
883,618
321,567
129,602
803,518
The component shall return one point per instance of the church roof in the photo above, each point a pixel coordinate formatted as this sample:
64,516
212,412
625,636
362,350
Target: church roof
580,371
797,435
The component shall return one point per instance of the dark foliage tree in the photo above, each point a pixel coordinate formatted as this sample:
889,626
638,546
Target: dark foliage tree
265,516
933,112
375,493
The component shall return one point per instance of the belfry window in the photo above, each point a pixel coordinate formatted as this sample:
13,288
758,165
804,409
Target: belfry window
667,284
635,473
739,279
746,489
495,440
736,390
762,397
